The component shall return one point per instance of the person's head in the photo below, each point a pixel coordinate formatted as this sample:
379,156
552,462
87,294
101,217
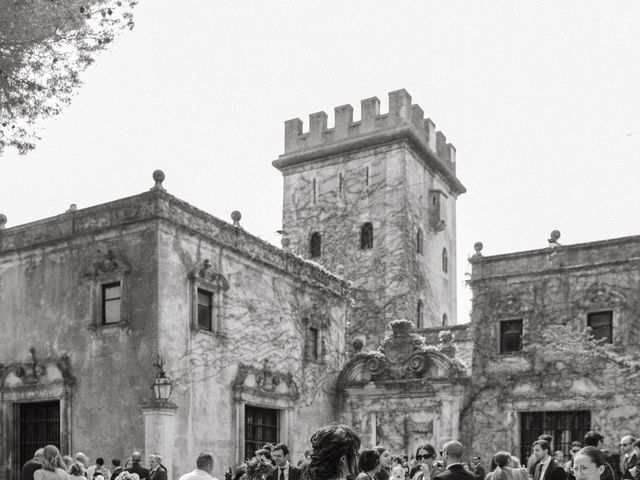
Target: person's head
502,459
205,462
515,461
83,459
575,448
369,461
386,460
589,463
154,460
334,453
268,446
280,454
100,462
397,461
68,461
425,453
636,447
475,459
558,456
452,452
263,454
546,437
541,449
76,470
626,444
51,458
136,457
38,454
116,462
593,439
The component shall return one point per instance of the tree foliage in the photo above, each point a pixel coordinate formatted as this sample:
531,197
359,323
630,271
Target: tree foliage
44,45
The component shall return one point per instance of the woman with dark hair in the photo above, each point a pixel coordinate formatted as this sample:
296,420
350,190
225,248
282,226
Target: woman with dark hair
369,464
53,467
386,463
425,458
504,468
334,453
590,463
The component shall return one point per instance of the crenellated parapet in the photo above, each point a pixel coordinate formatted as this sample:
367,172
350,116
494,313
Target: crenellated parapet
403,121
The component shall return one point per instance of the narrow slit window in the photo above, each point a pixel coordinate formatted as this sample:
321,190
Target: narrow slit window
315,245
205,309
366,236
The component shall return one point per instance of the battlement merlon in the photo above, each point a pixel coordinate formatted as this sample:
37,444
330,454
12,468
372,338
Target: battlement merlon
404,121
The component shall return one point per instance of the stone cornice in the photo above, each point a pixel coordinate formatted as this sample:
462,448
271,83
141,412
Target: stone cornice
158,205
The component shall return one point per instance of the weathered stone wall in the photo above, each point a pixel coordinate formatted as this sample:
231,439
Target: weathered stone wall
552,290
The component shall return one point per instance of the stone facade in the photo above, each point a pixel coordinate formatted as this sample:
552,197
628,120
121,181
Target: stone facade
163,253
397,174
551,293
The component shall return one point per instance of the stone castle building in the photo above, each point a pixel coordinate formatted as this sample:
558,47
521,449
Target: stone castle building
265,344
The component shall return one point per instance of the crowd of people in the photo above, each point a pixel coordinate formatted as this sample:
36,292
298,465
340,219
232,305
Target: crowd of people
336,454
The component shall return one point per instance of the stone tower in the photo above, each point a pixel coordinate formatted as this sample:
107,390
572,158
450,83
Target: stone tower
375,201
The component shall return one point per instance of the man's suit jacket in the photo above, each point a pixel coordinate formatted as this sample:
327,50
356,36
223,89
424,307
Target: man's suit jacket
629,462
553,472
142,472
455,472
294,473
116,471
159,473
29,468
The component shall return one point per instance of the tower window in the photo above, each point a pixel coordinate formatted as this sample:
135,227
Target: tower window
366,236
420,314
510,336
315,191
340,181
315,245
601,324
445,260
313,343
445,320
419,241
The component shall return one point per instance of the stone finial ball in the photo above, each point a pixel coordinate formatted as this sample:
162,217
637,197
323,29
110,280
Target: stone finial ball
478,246
3,219
236,216
358,344
285,242
555,235
158,176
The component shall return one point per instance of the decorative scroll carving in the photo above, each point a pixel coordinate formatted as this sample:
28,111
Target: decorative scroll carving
404,355
108,265
265,383
36,374
601,295
512,304
205,273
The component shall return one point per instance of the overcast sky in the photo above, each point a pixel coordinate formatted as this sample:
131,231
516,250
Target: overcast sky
541,100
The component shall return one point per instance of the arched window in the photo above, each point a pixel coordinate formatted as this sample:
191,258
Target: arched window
419,241
366,236
445,320
315,245
445,261
419,315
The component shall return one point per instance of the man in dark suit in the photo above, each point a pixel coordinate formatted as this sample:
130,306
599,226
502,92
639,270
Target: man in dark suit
32,465
547,468
117,468
452,455
476,468
629,457
158,471
142,472
284,470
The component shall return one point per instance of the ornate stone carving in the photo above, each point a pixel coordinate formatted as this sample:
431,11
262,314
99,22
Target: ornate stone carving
109,264
265,383
206,273
601,295
512,304
36,373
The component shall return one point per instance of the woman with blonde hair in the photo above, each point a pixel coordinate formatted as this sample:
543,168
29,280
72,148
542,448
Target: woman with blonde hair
53,467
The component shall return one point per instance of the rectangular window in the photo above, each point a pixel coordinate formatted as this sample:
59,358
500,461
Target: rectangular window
510,336
601,324
205,309
313,343
111,302
260,427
